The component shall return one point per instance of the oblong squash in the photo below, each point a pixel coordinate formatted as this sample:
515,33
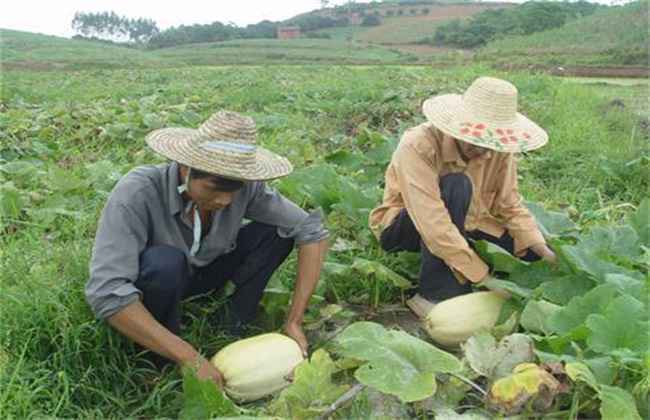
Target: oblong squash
257,366
453,321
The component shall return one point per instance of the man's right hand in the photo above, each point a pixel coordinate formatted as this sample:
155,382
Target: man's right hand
206,370
137,323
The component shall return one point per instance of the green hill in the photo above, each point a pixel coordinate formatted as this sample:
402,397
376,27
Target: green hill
24,50
408,24
20,49
614,36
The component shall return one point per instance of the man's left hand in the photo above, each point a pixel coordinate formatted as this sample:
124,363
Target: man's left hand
294,330
544,252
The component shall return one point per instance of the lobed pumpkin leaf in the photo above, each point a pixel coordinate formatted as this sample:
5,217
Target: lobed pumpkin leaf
397,363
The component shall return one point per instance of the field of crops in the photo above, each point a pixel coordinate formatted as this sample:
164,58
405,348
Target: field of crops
66,138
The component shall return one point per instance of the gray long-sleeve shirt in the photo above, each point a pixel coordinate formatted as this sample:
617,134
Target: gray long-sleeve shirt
145,209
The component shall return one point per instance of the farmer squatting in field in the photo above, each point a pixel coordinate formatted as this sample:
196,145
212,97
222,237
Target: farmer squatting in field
173,231
454,179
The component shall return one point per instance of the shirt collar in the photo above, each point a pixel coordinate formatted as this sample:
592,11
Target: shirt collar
175,199
450,153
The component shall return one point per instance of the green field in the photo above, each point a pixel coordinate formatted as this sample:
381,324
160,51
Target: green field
295,51
66,137
631,93
37,51
41,52
615,36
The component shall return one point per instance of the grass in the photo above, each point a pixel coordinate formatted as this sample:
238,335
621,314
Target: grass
404,30
295,51
67,134
37,51
615,36
408,28
41,52
628,93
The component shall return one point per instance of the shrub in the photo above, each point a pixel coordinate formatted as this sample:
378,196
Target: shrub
370,20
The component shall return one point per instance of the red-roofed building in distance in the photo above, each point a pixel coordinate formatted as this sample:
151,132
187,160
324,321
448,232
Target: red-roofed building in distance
289,32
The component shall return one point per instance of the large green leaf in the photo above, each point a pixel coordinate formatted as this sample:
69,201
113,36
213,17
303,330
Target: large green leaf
621,241
617,404
579,372
623,325
498,284
564,288
534,274
202,399
498,258
583,259
551,223
381,272
397,363
494,361
312,390
535,315
573,316
628,285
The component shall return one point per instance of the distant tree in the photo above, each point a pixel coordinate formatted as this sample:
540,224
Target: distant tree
371,20
110,26
414,11
324,4
400,12
390,13
425,11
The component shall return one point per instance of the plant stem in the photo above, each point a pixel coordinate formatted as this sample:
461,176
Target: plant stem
470,383
343,399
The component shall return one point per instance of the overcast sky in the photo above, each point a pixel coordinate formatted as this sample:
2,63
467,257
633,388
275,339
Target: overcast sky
53,17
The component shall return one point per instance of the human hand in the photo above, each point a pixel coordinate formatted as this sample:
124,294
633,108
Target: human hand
206,370
544,252
294,330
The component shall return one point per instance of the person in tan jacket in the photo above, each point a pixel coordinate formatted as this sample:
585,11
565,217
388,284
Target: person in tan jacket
453,179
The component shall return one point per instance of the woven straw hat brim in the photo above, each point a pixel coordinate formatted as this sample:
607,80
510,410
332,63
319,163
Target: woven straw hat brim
448,114
182,145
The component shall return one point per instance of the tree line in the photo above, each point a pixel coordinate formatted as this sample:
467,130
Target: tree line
110,27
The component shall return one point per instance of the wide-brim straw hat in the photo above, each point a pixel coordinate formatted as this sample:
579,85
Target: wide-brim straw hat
224,145
486,115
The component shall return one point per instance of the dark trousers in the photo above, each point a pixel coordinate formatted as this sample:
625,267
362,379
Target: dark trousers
165,276
437,282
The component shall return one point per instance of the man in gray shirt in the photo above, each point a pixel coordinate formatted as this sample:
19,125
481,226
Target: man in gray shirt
176,230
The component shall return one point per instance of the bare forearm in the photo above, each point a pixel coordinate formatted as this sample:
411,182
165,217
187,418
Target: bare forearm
310,262
137,323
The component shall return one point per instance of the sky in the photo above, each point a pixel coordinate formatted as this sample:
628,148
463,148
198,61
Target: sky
53,17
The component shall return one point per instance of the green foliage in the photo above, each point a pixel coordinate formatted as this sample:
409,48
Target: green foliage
108,25
312,390
611,36
202,399
616,403
66,137
497,360
397,363
525,19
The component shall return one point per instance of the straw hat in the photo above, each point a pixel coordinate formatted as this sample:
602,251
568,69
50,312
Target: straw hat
486,115
224,145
